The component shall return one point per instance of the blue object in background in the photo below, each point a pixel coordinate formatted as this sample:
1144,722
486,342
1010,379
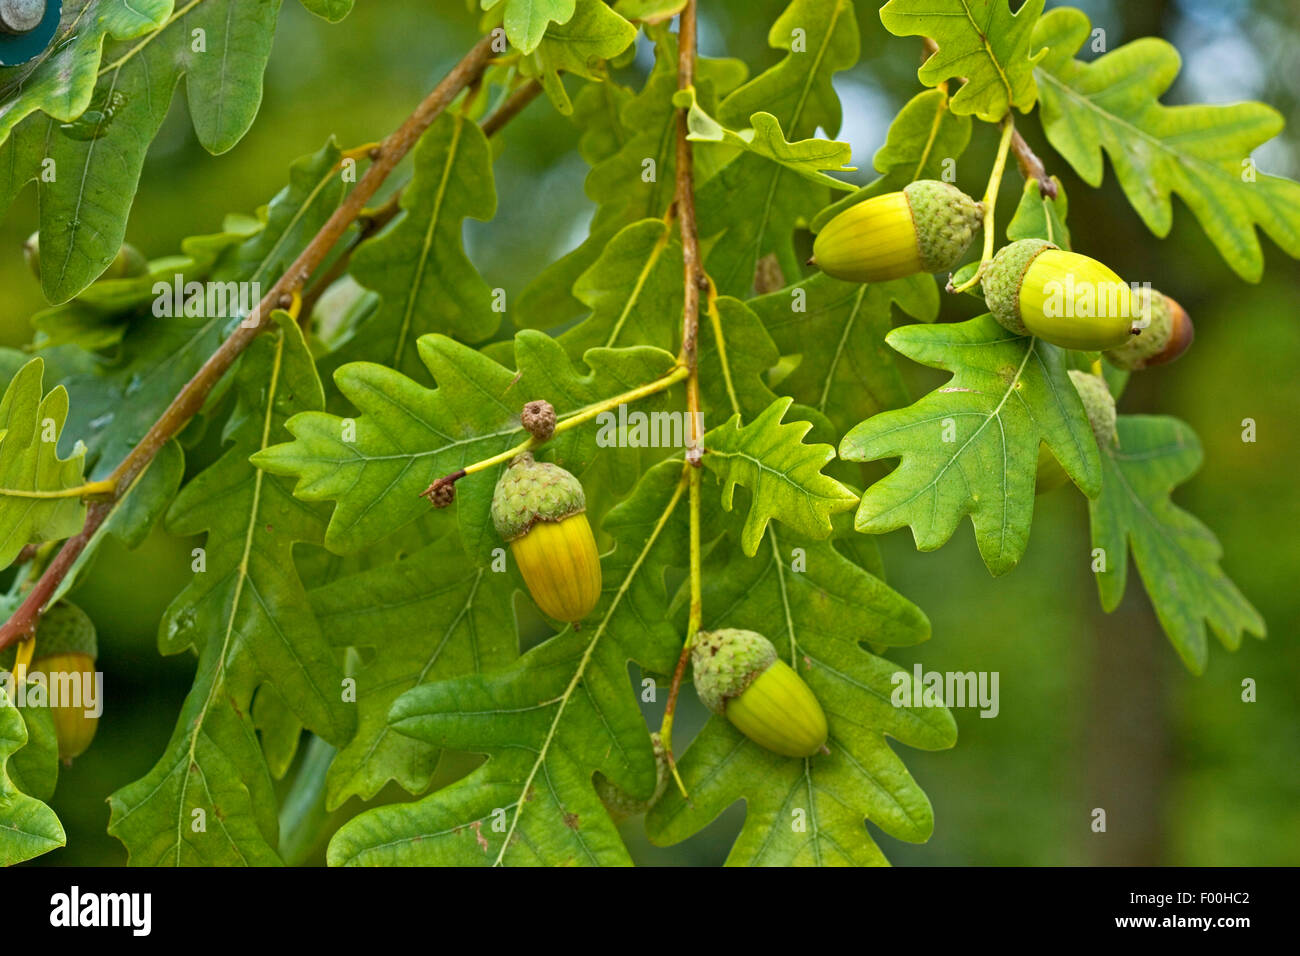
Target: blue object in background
18,45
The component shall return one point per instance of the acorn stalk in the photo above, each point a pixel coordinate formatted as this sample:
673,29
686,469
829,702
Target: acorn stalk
925,227
738,675
540,510
1032,287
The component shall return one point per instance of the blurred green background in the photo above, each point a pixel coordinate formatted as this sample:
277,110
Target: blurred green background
1096,710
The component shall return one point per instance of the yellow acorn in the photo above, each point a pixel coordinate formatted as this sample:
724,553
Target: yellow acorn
925,227
1034,288
540,509
738,675
65,654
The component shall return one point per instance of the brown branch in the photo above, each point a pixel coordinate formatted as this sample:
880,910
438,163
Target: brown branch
191,398
684,205
372,223
1031,167
694,281
511,108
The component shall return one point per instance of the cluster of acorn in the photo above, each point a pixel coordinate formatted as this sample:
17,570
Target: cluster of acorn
539,509
929,225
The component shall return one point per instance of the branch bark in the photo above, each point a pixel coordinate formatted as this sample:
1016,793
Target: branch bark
695,280
1031,167
373,222
190,399
684,205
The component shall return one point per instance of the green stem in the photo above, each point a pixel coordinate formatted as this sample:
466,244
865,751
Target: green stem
105,487
991,201
583,415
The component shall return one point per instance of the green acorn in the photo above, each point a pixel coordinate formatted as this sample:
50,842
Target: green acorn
1167,334
926,227
1099,405
618,803
540,510
738,675
66,648
1032,287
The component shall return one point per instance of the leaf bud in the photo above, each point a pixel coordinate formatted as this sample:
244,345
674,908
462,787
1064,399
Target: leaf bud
538,419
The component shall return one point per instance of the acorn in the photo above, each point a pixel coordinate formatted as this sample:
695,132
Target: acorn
1167,334
540,509
738,675
618,803
66,649
927,227
1099,405
1032,287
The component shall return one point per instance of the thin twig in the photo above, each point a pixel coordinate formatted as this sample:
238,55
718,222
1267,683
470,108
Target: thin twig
370,222
694,281
989,203
1031,167
191,398
511,108
580,417
373,222
684,204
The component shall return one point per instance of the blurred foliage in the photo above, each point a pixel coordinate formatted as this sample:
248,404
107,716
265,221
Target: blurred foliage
1095,710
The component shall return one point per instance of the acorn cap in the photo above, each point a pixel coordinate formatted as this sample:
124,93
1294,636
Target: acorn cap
1099,405
726,662
1167,334
946,221
65,629
531,491
1001,280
